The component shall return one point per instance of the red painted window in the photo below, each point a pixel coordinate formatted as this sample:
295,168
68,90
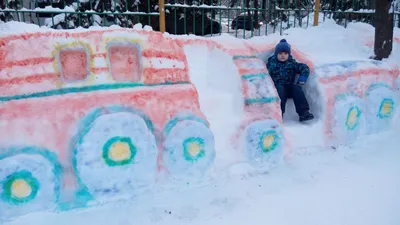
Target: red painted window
125,63
74,65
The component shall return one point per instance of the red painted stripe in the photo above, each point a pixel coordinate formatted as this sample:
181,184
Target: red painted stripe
99,55
29,62
151,75
83,34
36,78
358,74
36,35
33,35
170,71
100,69
150,53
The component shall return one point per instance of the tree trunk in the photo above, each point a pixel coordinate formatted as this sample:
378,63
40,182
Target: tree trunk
383,29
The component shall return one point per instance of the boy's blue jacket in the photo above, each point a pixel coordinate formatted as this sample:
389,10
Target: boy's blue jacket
285,72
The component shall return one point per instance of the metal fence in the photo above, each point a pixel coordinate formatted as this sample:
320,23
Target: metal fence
240,18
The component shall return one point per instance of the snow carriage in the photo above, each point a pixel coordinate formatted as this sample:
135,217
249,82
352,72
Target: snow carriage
89,115
347,94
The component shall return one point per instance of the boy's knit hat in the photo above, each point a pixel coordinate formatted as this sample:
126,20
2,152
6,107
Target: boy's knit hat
283,46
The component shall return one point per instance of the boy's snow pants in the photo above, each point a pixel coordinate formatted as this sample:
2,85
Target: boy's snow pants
296,92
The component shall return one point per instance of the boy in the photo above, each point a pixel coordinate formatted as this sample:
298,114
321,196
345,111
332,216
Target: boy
283,70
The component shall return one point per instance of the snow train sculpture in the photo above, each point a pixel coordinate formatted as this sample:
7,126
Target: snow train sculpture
100,114
97,113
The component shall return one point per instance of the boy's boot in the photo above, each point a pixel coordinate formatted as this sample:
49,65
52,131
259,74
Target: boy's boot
306,116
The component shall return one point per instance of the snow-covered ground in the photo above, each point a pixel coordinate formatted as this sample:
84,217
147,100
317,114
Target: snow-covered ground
357,184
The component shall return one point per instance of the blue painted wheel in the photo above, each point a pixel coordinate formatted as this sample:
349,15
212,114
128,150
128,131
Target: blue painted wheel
264,143
381,103
348,120
189,148
116,156
29,181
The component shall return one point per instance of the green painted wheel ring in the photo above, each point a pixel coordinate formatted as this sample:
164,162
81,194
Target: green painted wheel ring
193,148
268,141
121,149
20,183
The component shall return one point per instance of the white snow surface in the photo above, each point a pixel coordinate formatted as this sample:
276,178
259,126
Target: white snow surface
356,184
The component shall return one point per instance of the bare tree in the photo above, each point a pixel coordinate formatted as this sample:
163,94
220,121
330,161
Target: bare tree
383,29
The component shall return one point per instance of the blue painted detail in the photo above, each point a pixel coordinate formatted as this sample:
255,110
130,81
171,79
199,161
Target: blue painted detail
349,64
107,148
186,148
127,44
50,156
249,101
344,96
82,195
260,81
88,64
381,113
181,117
351,125
377,85
27,177
270,133
386,100
255,75
346,66
178,132
83,89
257,153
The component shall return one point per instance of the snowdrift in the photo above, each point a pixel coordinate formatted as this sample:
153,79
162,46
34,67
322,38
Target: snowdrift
94,115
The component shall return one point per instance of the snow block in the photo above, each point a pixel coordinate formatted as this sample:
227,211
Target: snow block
353,98
113,110
259,138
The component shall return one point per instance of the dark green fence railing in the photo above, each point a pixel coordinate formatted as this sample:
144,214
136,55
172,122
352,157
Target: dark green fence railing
240,18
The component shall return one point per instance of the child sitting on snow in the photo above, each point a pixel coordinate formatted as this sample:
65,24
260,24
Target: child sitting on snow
283,70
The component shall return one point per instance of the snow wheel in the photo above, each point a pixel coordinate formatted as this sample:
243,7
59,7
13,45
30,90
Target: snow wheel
29,182
189,148
348,119
264,143
117,155
380,108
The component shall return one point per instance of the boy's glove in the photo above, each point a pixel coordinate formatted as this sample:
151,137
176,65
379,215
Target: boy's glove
302,80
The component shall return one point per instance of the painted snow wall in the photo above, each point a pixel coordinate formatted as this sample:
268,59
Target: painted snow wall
358,98
91,116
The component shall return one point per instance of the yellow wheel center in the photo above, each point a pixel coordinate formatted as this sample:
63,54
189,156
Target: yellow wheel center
119,151
268,141
194,149
20,189
351,121
386,109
